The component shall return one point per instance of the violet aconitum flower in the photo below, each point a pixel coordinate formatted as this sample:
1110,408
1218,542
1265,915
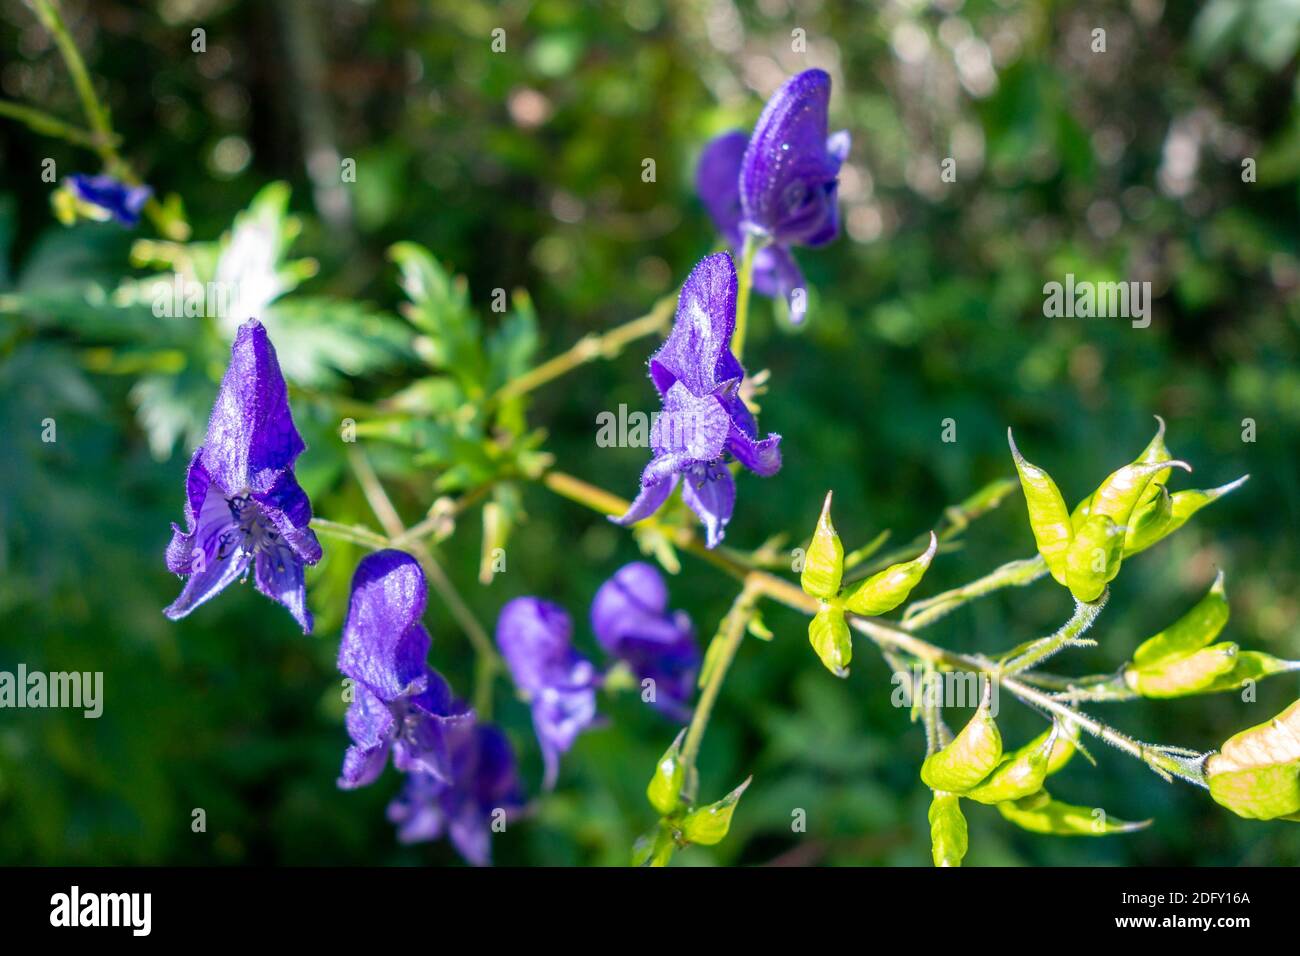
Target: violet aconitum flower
631,620
401,705
536,640
243,505
704,419
778,185
114,197
482,788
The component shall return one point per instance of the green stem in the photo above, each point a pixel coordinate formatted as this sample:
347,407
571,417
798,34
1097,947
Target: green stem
47,12
1011,574
41,122
356,534
744,284
1085,613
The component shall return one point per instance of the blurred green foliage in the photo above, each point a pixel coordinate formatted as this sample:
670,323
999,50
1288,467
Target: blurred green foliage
522,170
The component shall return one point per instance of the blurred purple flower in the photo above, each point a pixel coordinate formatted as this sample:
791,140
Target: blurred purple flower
401,705
535,638
631,620
114,197
243,504
703,415
779,184
482,788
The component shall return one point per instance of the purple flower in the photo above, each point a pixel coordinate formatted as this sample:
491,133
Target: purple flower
535,638
632,622
704,418
482,788
114,197
779,184
243,505
401,705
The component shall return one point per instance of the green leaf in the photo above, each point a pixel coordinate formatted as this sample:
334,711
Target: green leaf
884,591
1048,517
319,340
1093,558
1256,774
439,306
665,789
948,835
1039,813
709,824
829,635
970,756
823,565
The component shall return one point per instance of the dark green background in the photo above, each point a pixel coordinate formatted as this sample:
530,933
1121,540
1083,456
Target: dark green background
930,308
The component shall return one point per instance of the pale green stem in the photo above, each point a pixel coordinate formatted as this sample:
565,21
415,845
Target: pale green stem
41,122
1011,574
349,532
745,282
1085,613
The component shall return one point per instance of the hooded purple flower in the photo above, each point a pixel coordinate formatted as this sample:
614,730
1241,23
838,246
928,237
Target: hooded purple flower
483,785
632,622
243,505
536,640
401,705
703,417
114,197
780,184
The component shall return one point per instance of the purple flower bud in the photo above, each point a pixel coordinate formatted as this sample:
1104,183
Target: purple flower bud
704,419
482,787
401,705
631,620
243,505
120,201
535,638
779,184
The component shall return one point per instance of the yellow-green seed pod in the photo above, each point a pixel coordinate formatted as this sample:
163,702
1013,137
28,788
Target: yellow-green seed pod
1048,517
654,848
1150,519
970,756
1182,505
1257,772
665,789
1018,775
1155,451
1191,632
948,835
1118,495
828,633
1062,750
881,593
823,565
1039,813
1093,558
709,824
1185,674
1251,666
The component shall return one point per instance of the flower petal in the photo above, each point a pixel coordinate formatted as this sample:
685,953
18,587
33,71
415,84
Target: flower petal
279,575
761,457
697,351
289,509
210,555
711,493
649,500
635,596
777,274
690,428
372,726
384,646
717,182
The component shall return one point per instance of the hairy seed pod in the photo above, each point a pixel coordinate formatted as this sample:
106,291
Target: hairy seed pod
1018,775
948,835
1093,558
1039,813
665,789
823,565
881,593
707,825
829,635
1048,517
970,756
1256,774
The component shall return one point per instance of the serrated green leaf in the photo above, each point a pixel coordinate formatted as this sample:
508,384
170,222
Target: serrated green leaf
884,591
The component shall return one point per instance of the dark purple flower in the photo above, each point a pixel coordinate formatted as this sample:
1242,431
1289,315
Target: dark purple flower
704,418
243,505
401,705
631,620
114,197
536,640
481,791
779,184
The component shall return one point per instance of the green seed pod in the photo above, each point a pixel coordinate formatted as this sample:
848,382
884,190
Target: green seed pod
1257,772
882,592
1048,517
709,824
1150,519
1093,558
1039,813
665,789
1062,750
1191,632
1182,505
969,758
1250,666
823,565
1154,452
1118,495
829,635
655,847
1183,675
1018,775
948,836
